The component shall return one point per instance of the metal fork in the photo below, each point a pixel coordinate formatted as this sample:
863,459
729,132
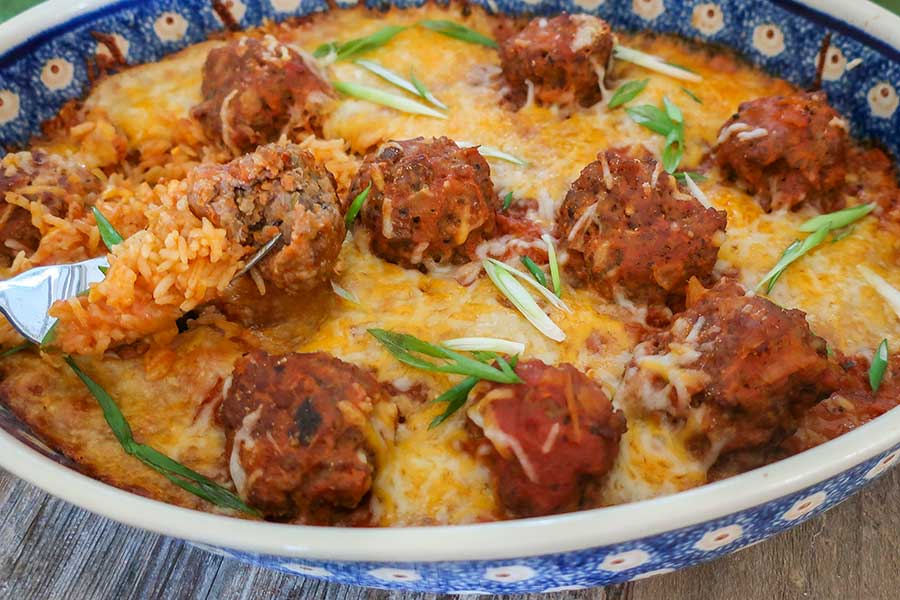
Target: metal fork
26,298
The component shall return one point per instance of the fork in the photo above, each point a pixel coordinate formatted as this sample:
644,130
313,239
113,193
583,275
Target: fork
26,298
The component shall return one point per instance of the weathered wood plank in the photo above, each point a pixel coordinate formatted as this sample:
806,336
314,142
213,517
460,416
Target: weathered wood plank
49,549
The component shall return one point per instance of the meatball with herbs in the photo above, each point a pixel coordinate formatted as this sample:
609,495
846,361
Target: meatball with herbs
560,61
628,229
787,150
547,439
276,189
301,434
429,202
735,370
255,90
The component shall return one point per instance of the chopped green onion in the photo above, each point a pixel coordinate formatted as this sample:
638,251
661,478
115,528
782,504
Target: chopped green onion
405,348
491,152
654,63
548,295
535,270
522,300
356,205
351,48
507,200
482,344
652,118
103,269
108,233
884,289
50,336
668,122
697,177
175,472
377,96
344,293
692,95
413,87
423,91
14,350
627,92
838,219
455,398
696,192
879,365
554,265
672,111
460,32
792,253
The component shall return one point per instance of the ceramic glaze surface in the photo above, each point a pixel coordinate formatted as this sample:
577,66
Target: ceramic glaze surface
861,76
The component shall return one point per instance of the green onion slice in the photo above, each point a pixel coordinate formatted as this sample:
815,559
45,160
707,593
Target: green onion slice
548,295
522,300
838,219
791,253
406,349
423,91
355,47
455,398
535,270
413,87
14,350
491,152
507,200
692,95
696,192
457,31
484,344
652,118
627,92
174,471
356,205
884,289
697,177
879,365
654,63
344,293
108,233
377,96
554,265
50,336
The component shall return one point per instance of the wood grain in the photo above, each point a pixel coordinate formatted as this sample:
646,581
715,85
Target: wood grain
51,550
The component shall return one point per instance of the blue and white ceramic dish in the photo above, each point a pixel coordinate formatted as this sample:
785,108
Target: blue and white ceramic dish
42,62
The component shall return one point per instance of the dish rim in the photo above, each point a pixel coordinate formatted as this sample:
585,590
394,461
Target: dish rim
486,541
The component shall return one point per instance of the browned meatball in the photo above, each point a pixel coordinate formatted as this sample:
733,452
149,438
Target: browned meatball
253,90
564,59
548,438
736,370
431,201
65,188
787,150
627,228
299,431
276,188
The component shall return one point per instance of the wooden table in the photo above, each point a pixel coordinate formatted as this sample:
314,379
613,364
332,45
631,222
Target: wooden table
50,550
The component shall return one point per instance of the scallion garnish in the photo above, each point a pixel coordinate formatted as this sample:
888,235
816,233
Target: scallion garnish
791,253
669,123
884,289
355,47
108,233
654,63
879,365
455,398
405,348
50,336
14,350
522,300
174,471
413,87
838,219
491,152
692,95
423,91
344,293
507,200
535,270
377,96
554,265
548,295
457,31
356,205
482,344
680,176
627,92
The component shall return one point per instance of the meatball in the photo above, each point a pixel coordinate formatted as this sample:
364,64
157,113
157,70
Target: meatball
734,370
628,229
277,188
547,439
788,150
254,90
63,187
430,202
302,435
560,61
